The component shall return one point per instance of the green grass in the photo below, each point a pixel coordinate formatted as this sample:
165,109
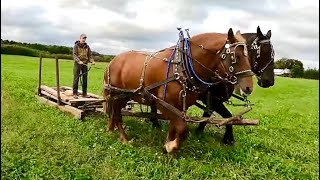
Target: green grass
40,142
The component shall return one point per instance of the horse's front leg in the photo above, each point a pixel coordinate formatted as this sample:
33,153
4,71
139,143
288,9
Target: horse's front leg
178,132
154,120
206,113
202,125
225,113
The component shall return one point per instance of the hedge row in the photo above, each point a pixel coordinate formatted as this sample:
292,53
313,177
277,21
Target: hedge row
26,51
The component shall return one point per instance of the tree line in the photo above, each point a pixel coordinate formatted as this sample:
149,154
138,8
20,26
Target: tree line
296,68
48,51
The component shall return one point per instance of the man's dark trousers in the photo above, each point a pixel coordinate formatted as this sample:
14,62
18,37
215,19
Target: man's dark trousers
77,70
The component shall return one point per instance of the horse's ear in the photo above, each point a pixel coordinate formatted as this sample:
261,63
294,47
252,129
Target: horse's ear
231,37
259,33
269,34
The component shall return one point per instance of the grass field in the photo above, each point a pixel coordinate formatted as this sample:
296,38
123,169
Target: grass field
40,142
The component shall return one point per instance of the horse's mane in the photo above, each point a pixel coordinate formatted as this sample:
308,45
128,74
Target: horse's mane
214,41
210,36
240,38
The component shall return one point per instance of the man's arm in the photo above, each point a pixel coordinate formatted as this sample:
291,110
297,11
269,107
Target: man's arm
75,54
90,55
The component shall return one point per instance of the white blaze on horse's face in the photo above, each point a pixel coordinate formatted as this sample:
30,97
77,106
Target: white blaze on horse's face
245,83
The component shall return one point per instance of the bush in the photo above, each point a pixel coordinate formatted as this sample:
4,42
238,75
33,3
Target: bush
18,50
311,74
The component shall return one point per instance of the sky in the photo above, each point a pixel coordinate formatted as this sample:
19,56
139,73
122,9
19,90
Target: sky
114,26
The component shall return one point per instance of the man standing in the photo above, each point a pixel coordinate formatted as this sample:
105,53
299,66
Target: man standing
82,56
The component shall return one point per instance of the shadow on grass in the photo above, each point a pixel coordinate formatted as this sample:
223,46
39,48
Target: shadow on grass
198,146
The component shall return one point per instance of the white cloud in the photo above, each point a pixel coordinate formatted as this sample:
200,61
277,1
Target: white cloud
114,26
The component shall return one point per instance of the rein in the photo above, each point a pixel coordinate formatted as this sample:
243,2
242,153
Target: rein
80,75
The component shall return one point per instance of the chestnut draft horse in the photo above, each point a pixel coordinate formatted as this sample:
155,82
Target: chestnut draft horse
173,78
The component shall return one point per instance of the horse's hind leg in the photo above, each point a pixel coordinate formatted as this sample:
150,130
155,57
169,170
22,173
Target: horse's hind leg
108,109
116,119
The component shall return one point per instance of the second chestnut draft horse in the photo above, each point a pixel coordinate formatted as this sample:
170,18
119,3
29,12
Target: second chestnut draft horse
172,79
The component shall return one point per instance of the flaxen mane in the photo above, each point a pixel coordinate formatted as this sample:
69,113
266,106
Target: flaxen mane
239,37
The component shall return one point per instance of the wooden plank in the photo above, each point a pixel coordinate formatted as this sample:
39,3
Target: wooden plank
77,113
46,101
73,102
54,92
90,94
45,93
84,99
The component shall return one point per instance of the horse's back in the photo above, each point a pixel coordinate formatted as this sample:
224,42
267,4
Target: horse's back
126,69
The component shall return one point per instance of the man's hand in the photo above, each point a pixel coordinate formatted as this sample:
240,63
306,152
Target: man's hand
80,62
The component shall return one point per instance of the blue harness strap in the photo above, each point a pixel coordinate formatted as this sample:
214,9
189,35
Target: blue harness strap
189,65
169,63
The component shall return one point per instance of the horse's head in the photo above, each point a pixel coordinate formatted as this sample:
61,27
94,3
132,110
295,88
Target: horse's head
234,56
262,59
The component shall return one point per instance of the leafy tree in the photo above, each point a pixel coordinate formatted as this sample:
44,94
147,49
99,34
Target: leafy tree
295,66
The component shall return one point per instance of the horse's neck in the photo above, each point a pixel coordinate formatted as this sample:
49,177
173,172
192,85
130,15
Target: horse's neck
250,37
206,58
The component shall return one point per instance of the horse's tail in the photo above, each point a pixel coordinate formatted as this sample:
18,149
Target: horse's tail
106,92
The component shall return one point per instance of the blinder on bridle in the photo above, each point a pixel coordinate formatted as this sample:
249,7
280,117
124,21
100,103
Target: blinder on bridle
228,55
256,45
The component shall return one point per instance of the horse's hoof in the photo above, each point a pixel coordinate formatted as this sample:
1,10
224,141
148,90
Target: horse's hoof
124,141
164,150
228,141
171,146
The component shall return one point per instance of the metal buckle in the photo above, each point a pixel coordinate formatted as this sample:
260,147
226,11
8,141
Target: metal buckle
223,56
233,80
233,60
231,69
177,76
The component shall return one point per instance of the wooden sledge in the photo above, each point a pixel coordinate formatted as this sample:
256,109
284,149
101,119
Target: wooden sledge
61,97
